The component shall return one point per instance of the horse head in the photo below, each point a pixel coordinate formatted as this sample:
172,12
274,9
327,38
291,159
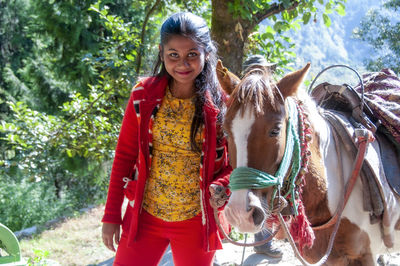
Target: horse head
256,123
288,158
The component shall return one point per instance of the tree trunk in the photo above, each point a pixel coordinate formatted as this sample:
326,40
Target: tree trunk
231,33
225,30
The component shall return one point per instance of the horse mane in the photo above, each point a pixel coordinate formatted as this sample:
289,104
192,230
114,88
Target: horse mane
257,89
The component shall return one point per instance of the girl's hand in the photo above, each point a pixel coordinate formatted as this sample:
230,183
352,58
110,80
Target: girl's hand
218,196
110,232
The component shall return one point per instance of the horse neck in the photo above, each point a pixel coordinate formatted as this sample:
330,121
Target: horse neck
322,191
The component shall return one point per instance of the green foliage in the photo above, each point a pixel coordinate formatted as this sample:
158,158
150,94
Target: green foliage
39,259
272,42
64,32
39,177
236,235
306,8
14,46
382,33
67,69
26,204
274,47
66,153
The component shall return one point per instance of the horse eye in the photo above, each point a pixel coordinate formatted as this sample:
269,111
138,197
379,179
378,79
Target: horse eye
274,132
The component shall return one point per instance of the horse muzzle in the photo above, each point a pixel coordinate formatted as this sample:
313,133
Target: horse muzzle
248,216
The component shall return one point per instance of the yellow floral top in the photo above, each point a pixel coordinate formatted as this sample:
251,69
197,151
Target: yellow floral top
172,191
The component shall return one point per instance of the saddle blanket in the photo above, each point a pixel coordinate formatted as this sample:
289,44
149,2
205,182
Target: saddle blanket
382,95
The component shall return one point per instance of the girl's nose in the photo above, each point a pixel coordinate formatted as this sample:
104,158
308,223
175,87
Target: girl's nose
184,62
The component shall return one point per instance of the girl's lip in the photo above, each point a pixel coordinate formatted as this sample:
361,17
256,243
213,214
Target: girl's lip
183,73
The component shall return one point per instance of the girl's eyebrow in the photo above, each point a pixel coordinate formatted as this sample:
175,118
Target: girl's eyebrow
191,49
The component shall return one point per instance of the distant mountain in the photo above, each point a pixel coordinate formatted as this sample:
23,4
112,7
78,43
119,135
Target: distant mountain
324,46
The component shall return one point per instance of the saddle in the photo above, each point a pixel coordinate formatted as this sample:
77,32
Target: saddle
343,98
344,109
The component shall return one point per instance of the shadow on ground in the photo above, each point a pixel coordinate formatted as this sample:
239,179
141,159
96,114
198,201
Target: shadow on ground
165,261
250,260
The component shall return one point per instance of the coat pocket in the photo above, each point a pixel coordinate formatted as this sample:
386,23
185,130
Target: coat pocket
130,185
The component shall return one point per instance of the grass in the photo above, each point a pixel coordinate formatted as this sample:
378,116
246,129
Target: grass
75,241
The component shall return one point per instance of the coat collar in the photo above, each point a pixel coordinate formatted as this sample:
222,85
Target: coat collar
154,87
155,91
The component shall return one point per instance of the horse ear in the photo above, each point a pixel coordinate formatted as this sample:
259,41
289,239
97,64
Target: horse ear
227,79
289,84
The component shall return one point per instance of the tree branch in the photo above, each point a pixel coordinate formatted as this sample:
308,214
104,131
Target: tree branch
185,3
146,19
272,10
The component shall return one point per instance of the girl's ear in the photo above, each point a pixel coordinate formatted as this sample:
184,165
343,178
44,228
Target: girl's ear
160,52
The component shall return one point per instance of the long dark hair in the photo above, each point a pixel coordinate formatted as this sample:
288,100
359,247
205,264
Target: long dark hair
195,28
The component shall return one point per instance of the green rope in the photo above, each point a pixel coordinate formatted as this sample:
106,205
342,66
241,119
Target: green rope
296,160
250,178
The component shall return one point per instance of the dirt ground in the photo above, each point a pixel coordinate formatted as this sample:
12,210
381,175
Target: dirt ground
77,241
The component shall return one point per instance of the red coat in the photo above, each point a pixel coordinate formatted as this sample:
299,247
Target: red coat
133,159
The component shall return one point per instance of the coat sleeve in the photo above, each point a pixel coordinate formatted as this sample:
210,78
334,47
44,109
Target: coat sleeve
126,154
222,166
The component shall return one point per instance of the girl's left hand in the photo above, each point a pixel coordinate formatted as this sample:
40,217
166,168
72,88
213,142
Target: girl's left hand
111,233
219,196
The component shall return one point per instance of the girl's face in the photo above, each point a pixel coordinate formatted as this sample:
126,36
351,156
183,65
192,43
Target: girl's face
183,59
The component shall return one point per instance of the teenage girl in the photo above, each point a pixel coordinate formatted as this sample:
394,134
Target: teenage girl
171,157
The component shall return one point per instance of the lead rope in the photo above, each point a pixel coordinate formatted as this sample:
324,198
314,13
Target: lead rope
244,249
296,251
230,240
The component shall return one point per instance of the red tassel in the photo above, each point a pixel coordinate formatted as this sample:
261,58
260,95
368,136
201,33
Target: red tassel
301,230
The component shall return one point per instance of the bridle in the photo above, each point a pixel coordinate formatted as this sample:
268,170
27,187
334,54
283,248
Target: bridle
290,170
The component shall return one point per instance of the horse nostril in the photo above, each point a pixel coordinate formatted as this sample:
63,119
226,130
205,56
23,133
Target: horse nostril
258,216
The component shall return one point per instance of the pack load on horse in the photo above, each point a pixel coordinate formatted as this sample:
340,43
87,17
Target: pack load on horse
298,159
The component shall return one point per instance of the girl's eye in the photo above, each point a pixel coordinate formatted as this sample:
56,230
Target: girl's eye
173,55
192,54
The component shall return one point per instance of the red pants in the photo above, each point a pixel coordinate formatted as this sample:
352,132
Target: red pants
152,240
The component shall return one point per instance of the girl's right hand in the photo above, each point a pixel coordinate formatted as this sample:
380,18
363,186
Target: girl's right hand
218,196
111,232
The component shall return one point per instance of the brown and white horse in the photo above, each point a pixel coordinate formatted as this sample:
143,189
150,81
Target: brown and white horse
256,124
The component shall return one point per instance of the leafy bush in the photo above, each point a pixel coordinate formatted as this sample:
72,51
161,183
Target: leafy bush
53,163
39,259
25,204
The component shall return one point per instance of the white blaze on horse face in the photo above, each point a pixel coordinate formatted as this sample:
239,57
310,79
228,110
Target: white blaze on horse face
236,210
241,128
